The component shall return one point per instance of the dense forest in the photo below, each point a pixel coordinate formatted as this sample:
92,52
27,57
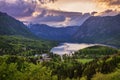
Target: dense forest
19,45
92,63
21,68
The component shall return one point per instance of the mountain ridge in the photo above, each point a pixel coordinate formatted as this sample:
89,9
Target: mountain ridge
53,33
100,30
11,26
96,29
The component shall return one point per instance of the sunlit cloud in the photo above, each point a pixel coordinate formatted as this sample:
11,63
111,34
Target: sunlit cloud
108,12
59,12
108,4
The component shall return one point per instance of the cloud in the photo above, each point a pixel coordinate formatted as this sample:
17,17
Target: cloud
60,18
46,1
28,11
19,8
110,2
35,11
53,18
94,13
108,12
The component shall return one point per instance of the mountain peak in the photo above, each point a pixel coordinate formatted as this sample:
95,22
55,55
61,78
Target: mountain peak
11,26
100,30
1,13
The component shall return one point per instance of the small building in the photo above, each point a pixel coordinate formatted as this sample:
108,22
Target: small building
45,57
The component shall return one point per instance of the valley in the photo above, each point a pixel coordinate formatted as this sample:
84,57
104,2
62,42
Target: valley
100,30
71,48
42,52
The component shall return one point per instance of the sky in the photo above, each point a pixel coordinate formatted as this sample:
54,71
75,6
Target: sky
59,12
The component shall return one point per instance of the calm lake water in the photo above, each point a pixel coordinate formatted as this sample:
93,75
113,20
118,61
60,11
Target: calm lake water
70,48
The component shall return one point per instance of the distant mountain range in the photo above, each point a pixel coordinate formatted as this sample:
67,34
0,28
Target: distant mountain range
53,33
11,26
95,29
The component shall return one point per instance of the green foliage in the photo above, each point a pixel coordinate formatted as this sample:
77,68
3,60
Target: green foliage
76,67
84,60
95,52
103,30
22,68
11,26
18,68
24,46
112,76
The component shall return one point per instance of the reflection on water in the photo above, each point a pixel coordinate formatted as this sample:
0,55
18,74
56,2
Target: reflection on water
70,48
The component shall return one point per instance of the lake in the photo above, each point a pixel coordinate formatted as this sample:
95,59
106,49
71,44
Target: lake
70,48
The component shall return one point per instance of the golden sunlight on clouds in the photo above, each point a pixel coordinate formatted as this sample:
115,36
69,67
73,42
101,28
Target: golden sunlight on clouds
35,14
84,5
78,7
73,6
108,4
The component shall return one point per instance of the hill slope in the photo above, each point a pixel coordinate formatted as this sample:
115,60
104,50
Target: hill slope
11,26
100,30
17,39
17,45
53,33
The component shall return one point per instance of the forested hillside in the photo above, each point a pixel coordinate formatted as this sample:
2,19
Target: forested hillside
17,39
18,45
53,33
11,26
96,29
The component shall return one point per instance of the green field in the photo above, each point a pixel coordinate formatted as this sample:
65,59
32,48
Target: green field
84,60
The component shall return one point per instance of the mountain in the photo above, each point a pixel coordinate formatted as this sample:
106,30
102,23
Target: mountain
53,33
11,26
79,20
100,30
17,39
